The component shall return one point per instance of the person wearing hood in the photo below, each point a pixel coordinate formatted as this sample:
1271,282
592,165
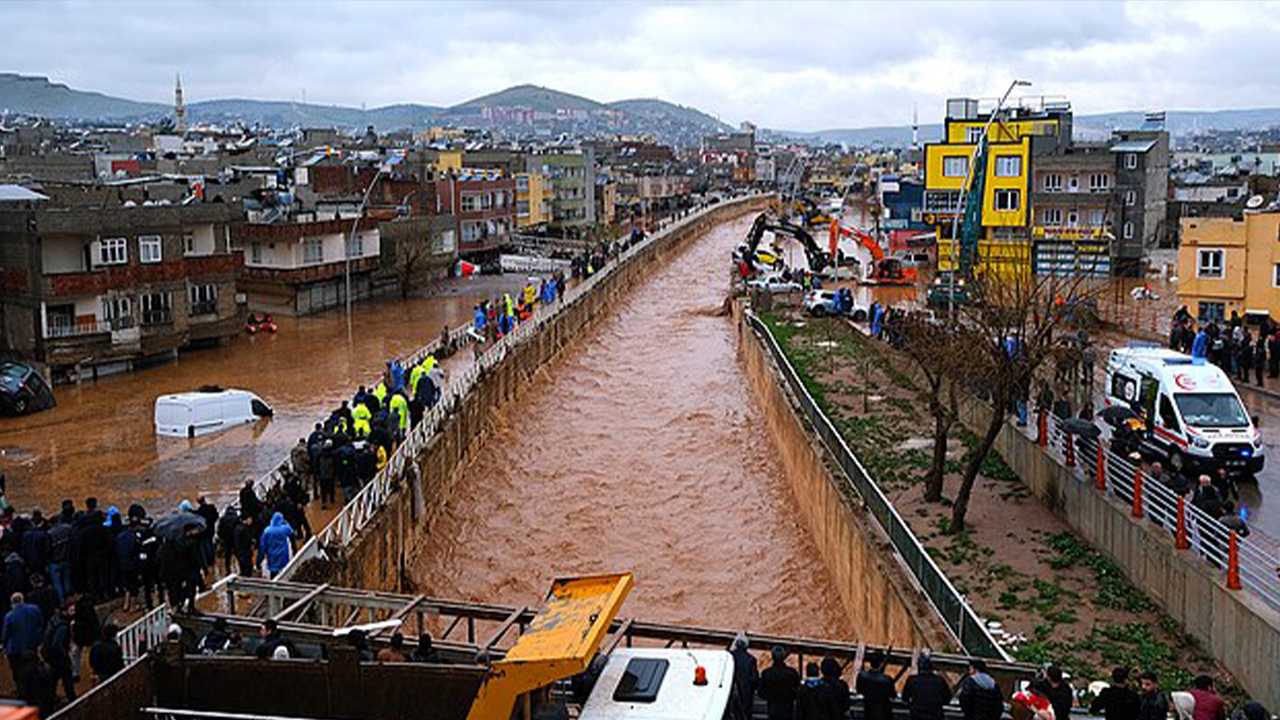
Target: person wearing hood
276,545
249,502
925,692
746,676
227,535
875,687
980,697
778,685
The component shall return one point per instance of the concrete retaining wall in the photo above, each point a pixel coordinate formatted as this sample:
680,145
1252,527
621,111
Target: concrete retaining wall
879,595
1236,628
378,557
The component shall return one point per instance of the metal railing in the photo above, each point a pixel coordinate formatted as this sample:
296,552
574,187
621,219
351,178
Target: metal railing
144,633
76,329
1249,562
951,606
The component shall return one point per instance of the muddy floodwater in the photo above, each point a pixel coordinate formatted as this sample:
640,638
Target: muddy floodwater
641,448
100,439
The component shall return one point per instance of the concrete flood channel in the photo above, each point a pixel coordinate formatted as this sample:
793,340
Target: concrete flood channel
627,436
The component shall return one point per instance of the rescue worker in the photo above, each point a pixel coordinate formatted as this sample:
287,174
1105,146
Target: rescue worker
509,307
415,375
362,417
528,293
400,409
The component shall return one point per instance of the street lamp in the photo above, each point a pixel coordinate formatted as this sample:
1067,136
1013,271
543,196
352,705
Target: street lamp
964,190
351,239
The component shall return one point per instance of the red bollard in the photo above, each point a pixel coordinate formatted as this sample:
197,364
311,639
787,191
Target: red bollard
1042,428
1071,450
1180,540
1102,468
1233,562
1137,492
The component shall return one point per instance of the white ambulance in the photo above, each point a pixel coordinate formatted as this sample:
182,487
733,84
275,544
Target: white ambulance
1194,415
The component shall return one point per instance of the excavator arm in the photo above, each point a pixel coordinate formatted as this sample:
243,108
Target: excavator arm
819,259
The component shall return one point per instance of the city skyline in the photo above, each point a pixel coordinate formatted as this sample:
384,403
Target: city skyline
763,62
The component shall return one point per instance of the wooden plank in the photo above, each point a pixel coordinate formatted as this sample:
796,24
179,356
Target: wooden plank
300,603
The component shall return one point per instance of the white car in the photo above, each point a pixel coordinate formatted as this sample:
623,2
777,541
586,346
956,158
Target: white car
823,302
775,283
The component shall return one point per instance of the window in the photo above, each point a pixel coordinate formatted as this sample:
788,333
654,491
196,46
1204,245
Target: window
1053,182
1275,275
118,312
1128,230
203,299
1006,200
1051,216
312,251
1214,312
156,308
972,134
255,252
1123,387
113,251
1096,218
641,681
1073,183
1008,166
1130,198
1099,182
1073,218
149,248
1209,263
188,244
522,208
472,231
955,166
522,183
355,245
1212,410
1131,161
471,202
1168,417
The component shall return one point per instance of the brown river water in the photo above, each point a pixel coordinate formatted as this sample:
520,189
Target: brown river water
641,449
100,439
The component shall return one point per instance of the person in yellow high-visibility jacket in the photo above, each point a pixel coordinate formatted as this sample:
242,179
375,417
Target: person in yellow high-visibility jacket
401,406
416,374
528,294
361,416
380,392
510,306
382,457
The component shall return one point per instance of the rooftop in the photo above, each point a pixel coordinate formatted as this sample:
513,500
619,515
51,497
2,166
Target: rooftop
18,193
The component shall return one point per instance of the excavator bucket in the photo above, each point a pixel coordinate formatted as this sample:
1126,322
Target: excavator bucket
558,644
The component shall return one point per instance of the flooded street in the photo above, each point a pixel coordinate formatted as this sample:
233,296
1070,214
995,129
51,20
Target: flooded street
100,439
641,449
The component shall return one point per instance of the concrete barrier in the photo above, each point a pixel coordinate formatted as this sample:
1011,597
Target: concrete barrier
378,556
878,593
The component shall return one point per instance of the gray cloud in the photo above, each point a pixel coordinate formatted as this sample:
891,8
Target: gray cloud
800,65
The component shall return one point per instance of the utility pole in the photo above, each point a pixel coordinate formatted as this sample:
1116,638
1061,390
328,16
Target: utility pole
351,239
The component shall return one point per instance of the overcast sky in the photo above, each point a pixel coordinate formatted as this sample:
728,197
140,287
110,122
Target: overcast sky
785,65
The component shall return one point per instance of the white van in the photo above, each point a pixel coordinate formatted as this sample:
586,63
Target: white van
207,410
1195,416
658,684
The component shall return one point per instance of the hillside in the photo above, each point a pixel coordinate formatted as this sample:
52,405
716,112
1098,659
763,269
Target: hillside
540,99
661,109
286,114
35,95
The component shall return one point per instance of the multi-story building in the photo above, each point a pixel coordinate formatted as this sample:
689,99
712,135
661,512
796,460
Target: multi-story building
1073,213
573,185
89,289
301,267
483,204
533,200
1142,188
1230,265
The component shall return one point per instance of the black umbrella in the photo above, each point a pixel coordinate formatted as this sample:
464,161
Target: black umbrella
174,525
1081,427
1116,414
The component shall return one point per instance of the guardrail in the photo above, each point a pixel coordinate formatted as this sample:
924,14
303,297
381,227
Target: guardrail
1249,562
144,633
951,606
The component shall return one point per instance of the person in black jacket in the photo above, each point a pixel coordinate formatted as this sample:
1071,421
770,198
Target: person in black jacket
106,657
246,541
746,677
1153,705
57,651
875,687
832,694
807,693
980,697
778,685
1058,692
925,693
1119,701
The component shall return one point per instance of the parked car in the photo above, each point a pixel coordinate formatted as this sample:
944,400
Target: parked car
23,390
775,283
834,302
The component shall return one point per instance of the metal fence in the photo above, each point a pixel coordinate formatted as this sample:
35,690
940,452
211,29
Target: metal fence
1249,562
145,632
950,604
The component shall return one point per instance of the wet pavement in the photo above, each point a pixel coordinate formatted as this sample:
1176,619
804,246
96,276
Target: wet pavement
641,448
100,439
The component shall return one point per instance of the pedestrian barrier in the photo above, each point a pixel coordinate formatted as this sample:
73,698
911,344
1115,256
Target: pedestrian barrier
145,632
951,606
1249,563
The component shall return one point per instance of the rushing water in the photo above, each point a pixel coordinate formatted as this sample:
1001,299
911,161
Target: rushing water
641,449
100,440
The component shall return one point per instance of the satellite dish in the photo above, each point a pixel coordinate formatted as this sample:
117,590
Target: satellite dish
1255,202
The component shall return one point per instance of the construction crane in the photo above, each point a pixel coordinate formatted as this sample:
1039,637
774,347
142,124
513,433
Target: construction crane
880,270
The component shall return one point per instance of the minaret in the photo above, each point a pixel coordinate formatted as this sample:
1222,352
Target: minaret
179,109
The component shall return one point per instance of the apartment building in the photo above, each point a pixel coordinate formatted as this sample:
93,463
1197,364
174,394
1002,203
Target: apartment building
93,289
1231,264
572,174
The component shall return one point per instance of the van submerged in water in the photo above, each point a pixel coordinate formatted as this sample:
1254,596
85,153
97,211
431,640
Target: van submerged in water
207,410
1195,417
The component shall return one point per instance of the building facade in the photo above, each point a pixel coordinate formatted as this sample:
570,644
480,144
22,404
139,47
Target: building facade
1230,265
573,185
297,268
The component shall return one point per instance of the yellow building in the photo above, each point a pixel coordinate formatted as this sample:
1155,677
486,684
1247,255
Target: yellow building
533,199
449,160
1226,265
1004,242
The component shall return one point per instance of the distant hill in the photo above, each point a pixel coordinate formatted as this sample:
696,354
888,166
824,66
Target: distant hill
661,109
535,97
287,114
35,95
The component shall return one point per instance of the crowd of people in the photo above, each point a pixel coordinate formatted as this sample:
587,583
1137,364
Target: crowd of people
822,693
1238,350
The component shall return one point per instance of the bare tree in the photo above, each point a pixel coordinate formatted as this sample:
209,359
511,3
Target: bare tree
1016,326
413,256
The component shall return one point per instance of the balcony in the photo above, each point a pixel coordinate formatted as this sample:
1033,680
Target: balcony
61,328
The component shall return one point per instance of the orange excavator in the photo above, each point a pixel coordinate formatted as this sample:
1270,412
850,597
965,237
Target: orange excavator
880,270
